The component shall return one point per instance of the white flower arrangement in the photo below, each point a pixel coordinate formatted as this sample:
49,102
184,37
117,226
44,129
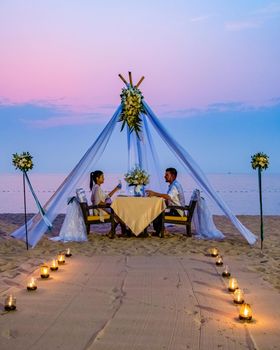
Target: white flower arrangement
132,107
137,177
23,161
260,160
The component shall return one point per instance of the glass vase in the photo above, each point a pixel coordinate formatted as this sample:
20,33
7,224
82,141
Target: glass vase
139,191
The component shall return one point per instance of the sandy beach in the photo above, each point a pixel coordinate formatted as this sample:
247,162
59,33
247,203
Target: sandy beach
254,268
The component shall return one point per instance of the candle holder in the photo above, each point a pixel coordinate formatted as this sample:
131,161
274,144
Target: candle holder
226,272
44,271
238,296
245,312
68,253
219,260
54,265
31,285
214,252
61,258
10,303
232,284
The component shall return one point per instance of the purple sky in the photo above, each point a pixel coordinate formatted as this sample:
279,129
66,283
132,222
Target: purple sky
211,75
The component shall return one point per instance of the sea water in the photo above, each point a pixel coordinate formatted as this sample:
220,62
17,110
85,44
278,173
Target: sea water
239,191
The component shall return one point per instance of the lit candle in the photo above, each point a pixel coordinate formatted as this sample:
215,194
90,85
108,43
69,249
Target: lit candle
226,272
245,312
44,270
68,253
219,261
54,265
10,303
232,284
214,252
61,258
238,296
31,285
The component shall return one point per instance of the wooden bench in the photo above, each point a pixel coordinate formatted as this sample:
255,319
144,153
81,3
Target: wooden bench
185,220
96,219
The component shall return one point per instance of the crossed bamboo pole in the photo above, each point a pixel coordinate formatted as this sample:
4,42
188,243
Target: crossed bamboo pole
130,80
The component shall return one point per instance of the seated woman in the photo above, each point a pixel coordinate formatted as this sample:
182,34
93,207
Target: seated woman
98,196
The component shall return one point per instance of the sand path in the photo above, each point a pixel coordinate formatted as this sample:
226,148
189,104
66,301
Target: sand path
140,302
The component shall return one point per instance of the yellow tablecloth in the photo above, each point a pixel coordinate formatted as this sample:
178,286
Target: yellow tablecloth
137,212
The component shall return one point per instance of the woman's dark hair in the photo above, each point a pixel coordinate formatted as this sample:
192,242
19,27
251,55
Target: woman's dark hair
93,177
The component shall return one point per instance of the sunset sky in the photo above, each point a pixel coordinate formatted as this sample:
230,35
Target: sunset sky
212,76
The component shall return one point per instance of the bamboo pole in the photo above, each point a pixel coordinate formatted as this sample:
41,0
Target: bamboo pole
25,217
139,82
261,209
130,79
122,78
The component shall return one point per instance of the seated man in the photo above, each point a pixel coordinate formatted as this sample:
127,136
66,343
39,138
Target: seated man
174,196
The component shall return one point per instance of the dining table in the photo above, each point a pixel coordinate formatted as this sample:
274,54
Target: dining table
138,212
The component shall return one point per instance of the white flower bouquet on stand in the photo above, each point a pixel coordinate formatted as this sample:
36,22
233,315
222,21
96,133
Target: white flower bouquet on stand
24,163
260,162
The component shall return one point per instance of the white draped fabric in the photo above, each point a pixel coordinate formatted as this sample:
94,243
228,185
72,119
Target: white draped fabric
73,228
203,219
197,174
58,201
141,152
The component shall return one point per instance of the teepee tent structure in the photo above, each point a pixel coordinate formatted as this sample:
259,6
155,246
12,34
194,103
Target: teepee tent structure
141,151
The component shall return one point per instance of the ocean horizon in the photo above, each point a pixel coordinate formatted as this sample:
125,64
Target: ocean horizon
239,191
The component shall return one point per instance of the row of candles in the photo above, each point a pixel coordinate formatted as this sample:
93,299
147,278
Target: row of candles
10,300
245,312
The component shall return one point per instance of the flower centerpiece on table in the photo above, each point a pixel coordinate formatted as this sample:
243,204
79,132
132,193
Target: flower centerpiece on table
23,161
132,107
138,178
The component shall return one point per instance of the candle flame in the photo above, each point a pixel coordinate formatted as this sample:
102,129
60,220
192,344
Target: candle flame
32,283
10,301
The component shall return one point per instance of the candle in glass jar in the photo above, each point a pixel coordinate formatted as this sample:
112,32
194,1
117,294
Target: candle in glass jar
10,303
226,272
44,271
219,261
245,312
232,284
54,265
214,252
31,285
61,258
238,296
68,253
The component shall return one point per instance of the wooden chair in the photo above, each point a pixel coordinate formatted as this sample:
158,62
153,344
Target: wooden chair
95,219
185,220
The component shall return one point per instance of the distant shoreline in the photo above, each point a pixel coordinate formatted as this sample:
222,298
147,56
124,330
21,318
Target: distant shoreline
239,192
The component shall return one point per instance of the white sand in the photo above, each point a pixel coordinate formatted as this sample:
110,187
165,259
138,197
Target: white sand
141,293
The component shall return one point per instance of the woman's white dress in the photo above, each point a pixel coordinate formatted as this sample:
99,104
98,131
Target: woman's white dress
97,196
